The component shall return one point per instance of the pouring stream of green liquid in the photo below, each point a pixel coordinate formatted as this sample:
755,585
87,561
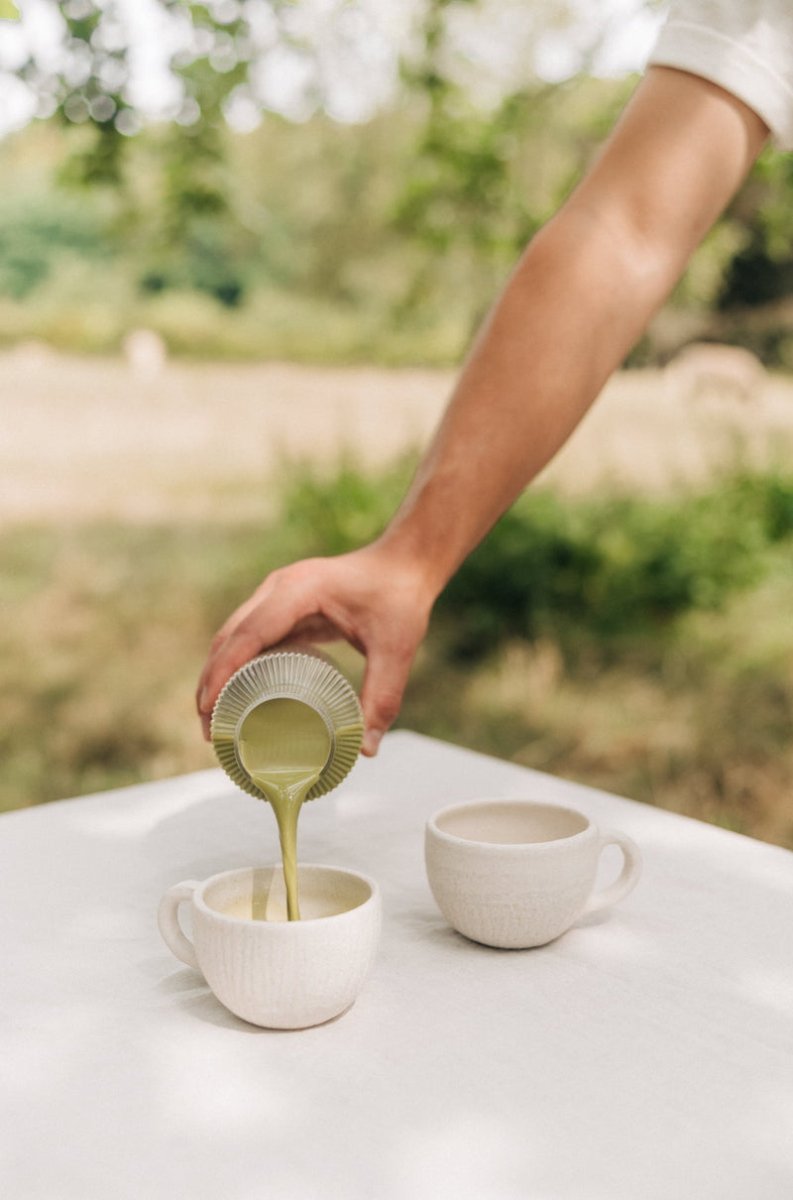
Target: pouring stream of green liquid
284,745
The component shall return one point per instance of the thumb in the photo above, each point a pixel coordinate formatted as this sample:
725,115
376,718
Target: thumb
381,695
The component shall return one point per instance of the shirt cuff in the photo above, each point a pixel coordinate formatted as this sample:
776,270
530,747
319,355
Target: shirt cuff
734,67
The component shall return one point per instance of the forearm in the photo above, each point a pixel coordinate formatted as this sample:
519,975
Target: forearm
580,297
564,322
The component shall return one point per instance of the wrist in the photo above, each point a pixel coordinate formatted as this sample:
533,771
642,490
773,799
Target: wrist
402,555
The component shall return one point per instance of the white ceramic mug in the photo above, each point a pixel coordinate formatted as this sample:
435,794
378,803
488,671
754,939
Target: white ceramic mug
517,873
269,971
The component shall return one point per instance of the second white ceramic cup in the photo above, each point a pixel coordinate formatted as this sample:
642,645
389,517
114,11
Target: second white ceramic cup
269,971
518,873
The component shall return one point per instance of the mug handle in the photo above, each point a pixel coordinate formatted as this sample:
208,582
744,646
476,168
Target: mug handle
168,921
628,877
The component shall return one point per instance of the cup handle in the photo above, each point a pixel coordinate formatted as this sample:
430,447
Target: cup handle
168,921
628,877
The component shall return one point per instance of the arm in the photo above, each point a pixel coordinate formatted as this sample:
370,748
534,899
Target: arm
580,296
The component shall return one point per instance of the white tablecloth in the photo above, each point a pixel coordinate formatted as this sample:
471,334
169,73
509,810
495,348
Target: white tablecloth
647,1055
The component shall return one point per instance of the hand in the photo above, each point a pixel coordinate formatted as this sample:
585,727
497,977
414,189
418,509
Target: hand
381,607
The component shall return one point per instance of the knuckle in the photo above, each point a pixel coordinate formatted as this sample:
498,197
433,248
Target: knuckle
387,707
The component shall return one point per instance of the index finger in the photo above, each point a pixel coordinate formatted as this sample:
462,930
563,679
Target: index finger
266,624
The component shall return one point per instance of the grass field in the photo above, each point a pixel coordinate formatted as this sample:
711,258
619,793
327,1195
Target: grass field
88,438
136,513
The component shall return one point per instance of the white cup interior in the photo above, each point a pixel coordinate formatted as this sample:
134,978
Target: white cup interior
510,822
259,893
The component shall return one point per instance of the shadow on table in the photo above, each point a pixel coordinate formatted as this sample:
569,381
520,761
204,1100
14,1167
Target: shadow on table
196,999
430,927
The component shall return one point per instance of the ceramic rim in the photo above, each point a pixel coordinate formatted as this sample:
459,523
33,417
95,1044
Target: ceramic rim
291,675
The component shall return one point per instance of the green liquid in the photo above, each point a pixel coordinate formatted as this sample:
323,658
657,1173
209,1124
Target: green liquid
284,745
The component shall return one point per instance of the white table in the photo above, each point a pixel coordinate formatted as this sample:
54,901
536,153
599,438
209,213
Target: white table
647,1055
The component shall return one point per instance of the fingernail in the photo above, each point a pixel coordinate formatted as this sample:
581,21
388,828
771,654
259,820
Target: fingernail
203,698
372,740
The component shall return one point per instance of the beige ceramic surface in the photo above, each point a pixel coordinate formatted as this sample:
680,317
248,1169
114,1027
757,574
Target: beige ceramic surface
272,972
516,873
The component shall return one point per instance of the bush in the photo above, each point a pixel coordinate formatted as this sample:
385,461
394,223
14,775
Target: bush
39,234
612,567
615,566
337,513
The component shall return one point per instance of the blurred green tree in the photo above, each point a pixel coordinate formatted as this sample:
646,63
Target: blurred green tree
472,178
761,272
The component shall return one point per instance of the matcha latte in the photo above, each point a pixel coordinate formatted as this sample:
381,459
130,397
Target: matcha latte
287,728
283,745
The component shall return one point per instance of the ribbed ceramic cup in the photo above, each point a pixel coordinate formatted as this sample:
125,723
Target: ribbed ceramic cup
290,672
517,873
273,972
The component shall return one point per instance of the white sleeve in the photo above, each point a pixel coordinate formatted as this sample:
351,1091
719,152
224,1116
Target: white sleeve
744,46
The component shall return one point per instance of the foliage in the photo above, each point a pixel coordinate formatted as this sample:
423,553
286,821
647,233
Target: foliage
402,227
301,264
760,272
613,567
336,513
484,177
608,567
88,83
36,237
